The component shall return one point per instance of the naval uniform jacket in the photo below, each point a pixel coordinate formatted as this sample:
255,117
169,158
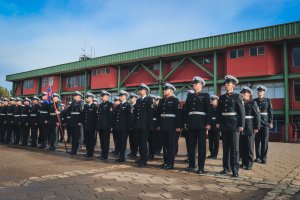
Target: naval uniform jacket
122,119
252,117
143,113
104,115
34,114
89,117
266,111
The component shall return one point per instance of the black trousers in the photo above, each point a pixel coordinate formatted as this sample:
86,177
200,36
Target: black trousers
197,137
89,138
76,137
122,143
34,133
53,135
104,136
169,146
152,141
116,139
214,138
246,148
177,136
40,134
143,135
25,134
17,134
45,134
133,142
69,133
160,141
9,132
231,150
262,143
3,132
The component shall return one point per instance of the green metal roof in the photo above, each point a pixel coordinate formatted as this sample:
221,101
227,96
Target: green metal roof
271,33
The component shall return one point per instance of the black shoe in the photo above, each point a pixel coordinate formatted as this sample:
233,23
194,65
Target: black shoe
162,165
242,166
189,168
142,165
150,157
235,174
72,153
89,155
248,168
103,158
210,156
51,149
168,167
263,162
257,160
225,171
113,152
41,147
119,160
186,160
201,171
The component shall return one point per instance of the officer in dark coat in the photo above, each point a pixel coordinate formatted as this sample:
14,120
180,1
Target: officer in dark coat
214,132
67,119
116,102
159,137
266,114
54,120
197,121
230,121
3,119
154,134
122,123
34,116
25,121
44,122
252,125
169,122
17,121
104,120
10,120
133,142
89,124
76,121
142,120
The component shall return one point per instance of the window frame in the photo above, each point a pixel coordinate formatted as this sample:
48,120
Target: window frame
293,60
257,54
28,84
236,53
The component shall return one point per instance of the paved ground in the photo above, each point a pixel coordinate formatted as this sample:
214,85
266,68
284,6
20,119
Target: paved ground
34,174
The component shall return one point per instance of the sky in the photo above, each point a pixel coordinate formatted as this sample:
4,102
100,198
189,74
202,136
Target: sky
37,33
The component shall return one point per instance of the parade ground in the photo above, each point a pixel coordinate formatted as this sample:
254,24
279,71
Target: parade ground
27,173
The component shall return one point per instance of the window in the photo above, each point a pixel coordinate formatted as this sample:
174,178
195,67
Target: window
278,123
28,84
95,72
131,68
297,90
208,89
258,50
275,90
105,70
237,53
44,81
75,81
155,66
296,57
47,81
50,81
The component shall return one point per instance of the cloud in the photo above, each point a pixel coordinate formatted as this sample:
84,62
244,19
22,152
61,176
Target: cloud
56,31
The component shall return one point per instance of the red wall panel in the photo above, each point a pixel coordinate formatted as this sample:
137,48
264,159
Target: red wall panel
109,80
18,90
32,90
142,76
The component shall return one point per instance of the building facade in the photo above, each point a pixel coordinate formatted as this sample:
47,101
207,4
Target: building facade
268,56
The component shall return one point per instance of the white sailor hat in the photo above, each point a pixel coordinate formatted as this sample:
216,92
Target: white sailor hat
198,79
27,99
190,91
77,94
56,95
214,96
35,98
96,101
261,87
43,94
133,95
246,89
143,86
69,103
169,86
116,98
12,99
123,92
5,99
19,99
89,94
104,92
230,78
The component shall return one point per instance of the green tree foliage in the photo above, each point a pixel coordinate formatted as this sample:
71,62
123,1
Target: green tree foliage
4,92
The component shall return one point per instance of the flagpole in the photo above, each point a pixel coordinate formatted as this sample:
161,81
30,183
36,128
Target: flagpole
59,122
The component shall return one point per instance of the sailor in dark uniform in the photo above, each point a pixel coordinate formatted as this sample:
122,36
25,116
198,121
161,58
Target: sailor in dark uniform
114,132
122,123
252,125
17,121
44,122
230,121
133,142
54,120
3,119
10,120
76,121
197,121
104,120
214,132
89,124
266,114
25,121
159,137
34,116
169,122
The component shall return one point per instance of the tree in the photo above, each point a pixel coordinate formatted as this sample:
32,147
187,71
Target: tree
4,92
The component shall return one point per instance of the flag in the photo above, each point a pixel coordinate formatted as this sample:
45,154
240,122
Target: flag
49,95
